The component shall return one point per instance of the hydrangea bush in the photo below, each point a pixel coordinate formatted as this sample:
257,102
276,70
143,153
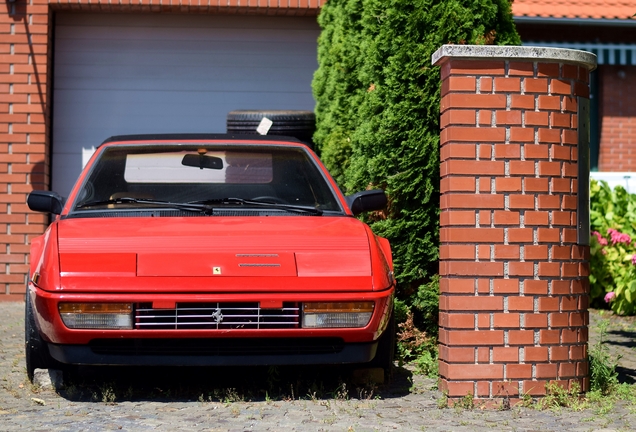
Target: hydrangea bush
613,252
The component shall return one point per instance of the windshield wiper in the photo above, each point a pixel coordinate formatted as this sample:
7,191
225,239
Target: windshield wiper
290,207
193,207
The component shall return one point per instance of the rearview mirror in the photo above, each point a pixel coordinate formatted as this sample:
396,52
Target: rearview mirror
367,201
45,201
202,161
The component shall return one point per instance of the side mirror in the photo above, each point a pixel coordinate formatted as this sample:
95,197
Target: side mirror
366,201
45,201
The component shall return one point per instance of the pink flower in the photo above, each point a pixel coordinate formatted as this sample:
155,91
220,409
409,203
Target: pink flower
601,240
634,259
618,237
610,296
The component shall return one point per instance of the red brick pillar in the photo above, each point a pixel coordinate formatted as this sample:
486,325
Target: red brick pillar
514,276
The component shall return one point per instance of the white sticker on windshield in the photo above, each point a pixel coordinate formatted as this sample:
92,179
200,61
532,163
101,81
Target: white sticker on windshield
86,155
264,126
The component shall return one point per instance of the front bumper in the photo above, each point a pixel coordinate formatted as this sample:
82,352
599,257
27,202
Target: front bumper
215,352
56,333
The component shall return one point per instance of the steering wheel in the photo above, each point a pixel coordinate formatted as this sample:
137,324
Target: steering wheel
268,198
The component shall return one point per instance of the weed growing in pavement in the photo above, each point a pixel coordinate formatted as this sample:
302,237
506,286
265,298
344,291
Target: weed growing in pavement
108,394
316,390
417,347
330,420
11,390
443,401
605,387
366,392
467,402
558,397
231,395
526,400
341,393
603,375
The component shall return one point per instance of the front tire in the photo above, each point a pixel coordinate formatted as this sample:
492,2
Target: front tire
36,350
385,354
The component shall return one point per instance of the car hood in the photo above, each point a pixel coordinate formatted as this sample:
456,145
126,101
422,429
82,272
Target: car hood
207,253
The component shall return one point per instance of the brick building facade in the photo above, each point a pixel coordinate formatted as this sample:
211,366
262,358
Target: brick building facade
617,146
607,29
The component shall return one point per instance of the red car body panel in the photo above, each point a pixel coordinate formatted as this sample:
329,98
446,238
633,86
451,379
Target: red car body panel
165,261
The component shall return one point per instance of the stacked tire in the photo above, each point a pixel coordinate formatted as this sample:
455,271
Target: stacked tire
298,124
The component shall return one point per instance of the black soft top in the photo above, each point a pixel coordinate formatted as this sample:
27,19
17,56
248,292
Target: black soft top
200,136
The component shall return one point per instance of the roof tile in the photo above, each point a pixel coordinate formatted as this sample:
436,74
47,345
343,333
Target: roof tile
590,9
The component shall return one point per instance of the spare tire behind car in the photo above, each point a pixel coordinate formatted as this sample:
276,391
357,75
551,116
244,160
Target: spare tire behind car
298,124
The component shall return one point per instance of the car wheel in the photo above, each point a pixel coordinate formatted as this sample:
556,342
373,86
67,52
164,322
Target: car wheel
385,353
37,352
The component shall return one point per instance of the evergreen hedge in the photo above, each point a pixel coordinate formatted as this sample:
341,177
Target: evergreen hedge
377,110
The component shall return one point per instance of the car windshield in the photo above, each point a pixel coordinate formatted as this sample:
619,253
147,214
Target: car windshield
200,177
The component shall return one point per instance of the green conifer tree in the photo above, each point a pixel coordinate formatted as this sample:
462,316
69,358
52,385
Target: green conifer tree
377,116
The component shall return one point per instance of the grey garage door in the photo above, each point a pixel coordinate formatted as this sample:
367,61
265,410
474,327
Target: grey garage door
126,74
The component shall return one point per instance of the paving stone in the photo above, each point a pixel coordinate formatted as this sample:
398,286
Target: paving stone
409,403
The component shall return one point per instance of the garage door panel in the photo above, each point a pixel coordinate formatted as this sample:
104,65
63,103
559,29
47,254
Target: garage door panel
169,21
224,80
194,52
174,113
119,74
140,103
175,36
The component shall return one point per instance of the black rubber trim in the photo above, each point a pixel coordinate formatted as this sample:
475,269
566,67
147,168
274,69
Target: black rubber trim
89,355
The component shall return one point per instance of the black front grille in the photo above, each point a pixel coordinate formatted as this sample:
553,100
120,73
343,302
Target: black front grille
216,316
217,347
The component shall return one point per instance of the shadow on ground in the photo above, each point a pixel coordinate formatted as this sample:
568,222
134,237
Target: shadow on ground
622,337
626,375
227,384
626,339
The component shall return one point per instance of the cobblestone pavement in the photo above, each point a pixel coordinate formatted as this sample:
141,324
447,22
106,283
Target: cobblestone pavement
263,399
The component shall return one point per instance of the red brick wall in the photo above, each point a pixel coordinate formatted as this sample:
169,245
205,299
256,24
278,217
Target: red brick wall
25,60
617,149
514,283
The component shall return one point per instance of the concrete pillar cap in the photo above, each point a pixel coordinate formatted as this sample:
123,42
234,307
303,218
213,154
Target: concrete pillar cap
507,52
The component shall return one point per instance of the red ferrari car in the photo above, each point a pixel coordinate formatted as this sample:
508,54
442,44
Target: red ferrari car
208,250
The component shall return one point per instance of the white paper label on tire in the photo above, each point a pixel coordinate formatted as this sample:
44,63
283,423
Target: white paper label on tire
264,125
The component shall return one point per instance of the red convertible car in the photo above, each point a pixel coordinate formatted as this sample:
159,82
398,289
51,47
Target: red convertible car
208,250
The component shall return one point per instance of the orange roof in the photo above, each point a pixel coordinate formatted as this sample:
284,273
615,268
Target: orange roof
589,9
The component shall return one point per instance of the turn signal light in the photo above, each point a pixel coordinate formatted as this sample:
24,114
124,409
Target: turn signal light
337,314
96,315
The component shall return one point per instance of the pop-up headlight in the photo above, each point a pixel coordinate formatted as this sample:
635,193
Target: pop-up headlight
337,315
96,315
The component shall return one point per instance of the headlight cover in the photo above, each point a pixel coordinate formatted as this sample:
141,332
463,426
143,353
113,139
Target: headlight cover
115,316
337,314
